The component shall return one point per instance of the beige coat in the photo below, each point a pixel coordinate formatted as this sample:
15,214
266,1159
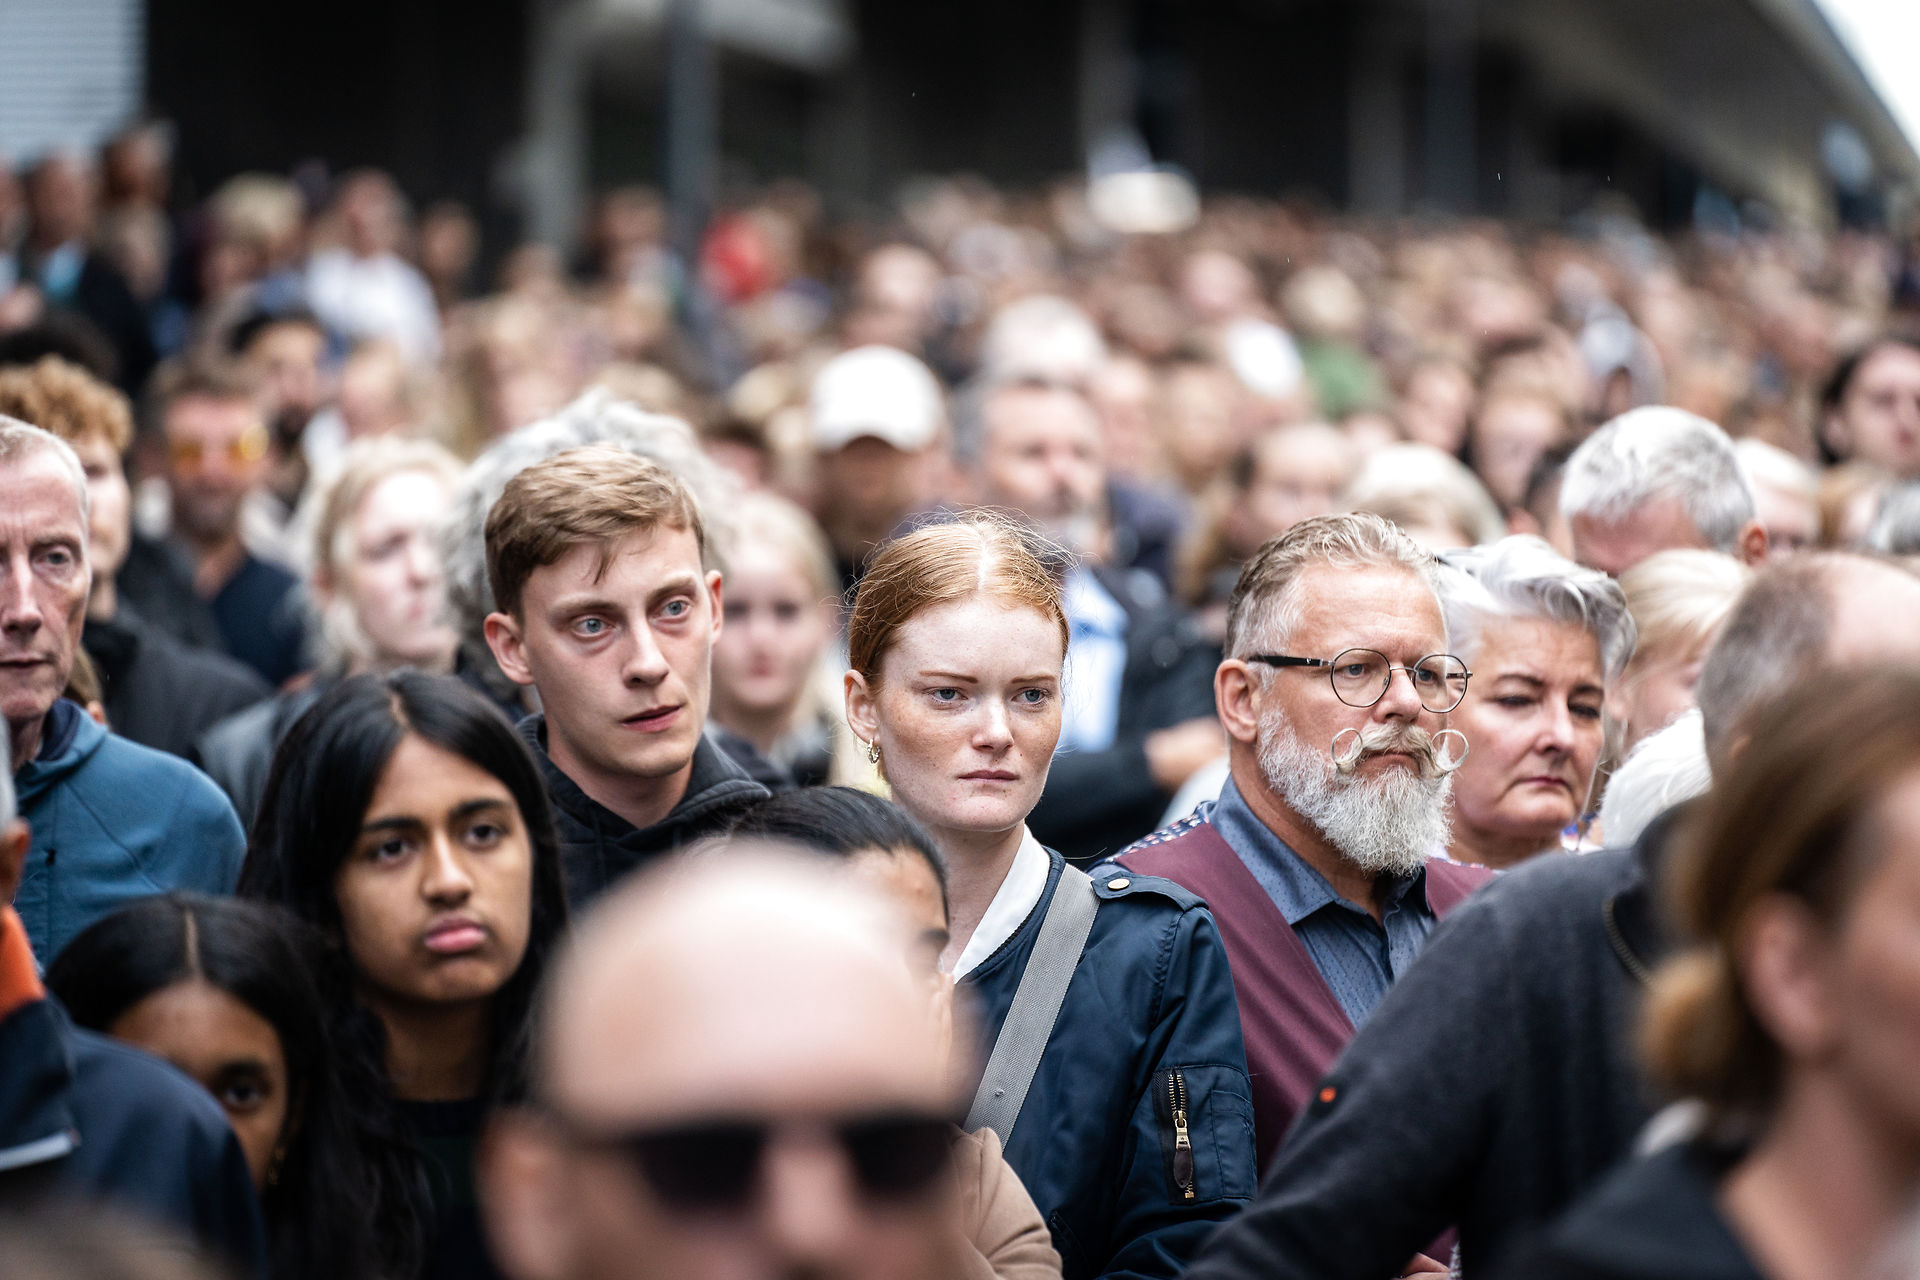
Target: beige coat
1009,1238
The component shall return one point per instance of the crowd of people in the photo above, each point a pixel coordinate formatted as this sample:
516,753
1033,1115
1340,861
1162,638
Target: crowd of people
963,743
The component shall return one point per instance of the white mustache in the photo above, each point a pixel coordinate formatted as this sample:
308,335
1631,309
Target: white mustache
1377,739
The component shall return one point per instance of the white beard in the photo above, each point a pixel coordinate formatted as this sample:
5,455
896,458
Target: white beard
1387,825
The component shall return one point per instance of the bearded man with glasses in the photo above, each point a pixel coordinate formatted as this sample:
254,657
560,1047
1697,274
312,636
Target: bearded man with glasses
1323,857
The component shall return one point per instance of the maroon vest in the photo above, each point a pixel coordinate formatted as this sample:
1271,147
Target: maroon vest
1293,1026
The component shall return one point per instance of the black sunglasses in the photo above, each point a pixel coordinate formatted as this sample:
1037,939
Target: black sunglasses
714,1165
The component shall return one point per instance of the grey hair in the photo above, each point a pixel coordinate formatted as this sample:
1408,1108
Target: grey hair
1522,577
20,440
1896,529
1655,453
1668,766
1411,481
1775,636
1265,608
594,418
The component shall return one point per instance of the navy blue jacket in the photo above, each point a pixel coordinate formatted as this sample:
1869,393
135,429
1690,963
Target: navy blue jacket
1149,1014
89,1118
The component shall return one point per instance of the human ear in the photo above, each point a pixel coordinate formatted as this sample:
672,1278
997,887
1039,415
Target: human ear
509,647
522,1191
862,715
1236,695
1785,964
1753,542
714,601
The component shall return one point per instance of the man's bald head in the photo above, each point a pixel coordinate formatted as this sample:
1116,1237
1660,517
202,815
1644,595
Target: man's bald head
748,991
1826,609
751,978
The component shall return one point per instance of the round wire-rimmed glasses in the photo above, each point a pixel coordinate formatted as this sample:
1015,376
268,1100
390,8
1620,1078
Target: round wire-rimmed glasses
1360,677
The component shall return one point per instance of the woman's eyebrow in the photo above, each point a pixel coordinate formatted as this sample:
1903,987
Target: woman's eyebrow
467,808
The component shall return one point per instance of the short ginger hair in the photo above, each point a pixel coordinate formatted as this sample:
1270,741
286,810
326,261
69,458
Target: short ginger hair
60,397
594,495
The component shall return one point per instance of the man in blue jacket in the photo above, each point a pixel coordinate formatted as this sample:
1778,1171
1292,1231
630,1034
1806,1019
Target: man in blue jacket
90,1120
112,821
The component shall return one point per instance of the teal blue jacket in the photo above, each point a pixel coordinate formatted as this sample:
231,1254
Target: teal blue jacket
114,821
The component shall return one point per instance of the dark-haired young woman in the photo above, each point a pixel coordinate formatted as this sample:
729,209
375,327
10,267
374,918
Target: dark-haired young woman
227,991
405,820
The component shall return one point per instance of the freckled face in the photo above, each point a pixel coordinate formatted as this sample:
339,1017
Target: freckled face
967,713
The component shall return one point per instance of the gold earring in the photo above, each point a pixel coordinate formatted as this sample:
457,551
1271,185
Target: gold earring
873,752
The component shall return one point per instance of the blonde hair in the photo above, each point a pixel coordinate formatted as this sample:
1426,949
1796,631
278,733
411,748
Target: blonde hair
942,563
1409,483
1680,597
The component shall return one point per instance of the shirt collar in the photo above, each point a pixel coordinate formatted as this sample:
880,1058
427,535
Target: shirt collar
1090,607
1018,895
1295,885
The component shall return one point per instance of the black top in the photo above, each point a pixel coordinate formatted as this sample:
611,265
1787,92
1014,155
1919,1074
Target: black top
1652,1219
258,611
447,1134
598,846
158,691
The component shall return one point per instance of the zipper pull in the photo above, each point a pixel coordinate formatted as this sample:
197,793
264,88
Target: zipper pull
1182,1141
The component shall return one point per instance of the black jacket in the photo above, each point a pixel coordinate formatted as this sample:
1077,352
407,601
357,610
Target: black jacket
88,1118
159,692
598,846
1492,1086
1098,802
1653,1219
238,752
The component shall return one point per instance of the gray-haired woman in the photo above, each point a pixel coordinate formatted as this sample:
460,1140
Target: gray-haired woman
1543,638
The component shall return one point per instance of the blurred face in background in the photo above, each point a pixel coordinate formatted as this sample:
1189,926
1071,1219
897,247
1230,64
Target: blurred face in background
388,574
290,361
217,454
1199,427
1878,420
1659,684
1510,435
1532,717
777,626
1434,409
1298,472
1042,455
110,504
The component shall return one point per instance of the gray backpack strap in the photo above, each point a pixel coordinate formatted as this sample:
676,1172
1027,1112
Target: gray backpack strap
1036,1005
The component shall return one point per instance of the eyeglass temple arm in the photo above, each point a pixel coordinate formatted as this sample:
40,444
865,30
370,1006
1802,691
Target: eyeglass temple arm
1281,660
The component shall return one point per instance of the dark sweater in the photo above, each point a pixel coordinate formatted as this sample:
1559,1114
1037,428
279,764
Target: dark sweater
1492,1086
598,846
1653,1219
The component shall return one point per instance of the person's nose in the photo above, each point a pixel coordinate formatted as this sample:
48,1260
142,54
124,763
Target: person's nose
993,731
423,563
644,663
1556,730
1401,701
20,611
810,1213
447,880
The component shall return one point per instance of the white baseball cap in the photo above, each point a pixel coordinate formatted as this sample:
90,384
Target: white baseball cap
876,391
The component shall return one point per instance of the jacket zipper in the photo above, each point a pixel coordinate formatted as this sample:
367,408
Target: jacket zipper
1182,1142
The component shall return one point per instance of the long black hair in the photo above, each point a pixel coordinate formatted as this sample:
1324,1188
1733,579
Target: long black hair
349,1198
323,778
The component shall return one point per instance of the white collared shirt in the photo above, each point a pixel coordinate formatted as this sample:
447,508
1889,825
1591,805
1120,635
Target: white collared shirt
1018,895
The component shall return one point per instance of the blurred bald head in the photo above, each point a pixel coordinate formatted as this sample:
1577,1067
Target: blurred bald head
747,987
